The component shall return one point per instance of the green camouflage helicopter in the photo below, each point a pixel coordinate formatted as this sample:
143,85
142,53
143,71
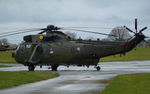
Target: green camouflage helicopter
56,48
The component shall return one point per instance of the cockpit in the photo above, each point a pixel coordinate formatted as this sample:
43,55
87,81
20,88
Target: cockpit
51,38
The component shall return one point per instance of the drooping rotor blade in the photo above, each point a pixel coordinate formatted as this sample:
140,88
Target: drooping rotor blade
136,25
42,32
2,33
88,31
15,33
9,32
129,29
88,27
142,29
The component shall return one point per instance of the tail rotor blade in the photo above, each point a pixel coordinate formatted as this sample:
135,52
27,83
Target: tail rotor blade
142,29
129,29
136,25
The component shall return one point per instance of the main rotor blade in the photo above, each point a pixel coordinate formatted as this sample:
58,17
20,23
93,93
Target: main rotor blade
136,25
88,27
129,29
21,30
142,29
42,32
15,33
88,31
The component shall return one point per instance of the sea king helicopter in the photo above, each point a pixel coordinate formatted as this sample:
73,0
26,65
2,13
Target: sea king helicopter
55,48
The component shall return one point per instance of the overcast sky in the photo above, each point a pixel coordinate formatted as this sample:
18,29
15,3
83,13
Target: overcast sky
22,14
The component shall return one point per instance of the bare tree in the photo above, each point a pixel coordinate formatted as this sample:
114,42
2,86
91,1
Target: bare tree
148,42
121,34
71,34
13,46
4,41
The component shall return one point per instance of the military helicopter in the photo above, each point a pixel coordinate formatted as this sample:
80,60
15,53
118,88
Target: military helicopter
56,48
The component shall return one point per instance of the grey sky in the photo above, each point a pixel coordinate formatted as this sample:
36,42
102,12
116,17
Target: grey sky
16,14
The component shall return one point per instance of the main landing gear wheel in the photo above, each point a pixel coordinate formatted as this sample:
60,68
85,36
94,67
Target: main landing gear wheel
98,68
31,67
54,67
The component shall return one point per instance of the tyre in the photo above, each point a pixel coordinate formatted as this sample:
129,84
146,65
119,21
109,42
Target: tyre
31,67
98,68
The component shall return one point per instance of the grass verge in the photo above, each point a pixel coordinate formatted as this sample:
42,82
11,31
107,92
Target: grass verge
10,79
4,66
138,54
129,84
6,57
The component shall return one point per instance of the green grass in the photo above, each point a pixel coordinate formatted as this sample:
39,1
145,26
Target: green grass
138,54
6,57
10,79
4,66
129,84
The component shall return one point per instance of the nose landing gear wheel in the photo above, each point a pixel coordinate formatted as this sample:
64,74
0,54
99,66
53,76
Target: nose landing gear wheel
54,67
98,68
31,67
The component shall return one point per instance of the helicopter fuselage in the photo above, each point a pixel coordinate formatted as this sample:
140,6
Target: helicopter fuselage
56,48
77,52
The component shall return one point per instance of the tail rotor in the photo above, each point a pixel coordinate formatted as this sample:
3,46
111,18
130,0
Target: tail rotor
137,33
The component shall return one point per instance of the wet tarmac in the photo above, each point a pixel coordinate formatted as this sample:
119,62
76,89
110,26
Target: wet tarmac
77,80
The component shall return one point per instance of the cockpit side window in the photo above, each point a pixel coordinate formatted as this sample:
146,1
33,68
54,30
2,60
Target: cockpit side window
51,38
21,47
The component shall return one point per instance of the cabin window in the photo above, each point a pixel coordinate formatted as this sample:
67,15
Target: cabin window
21,47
